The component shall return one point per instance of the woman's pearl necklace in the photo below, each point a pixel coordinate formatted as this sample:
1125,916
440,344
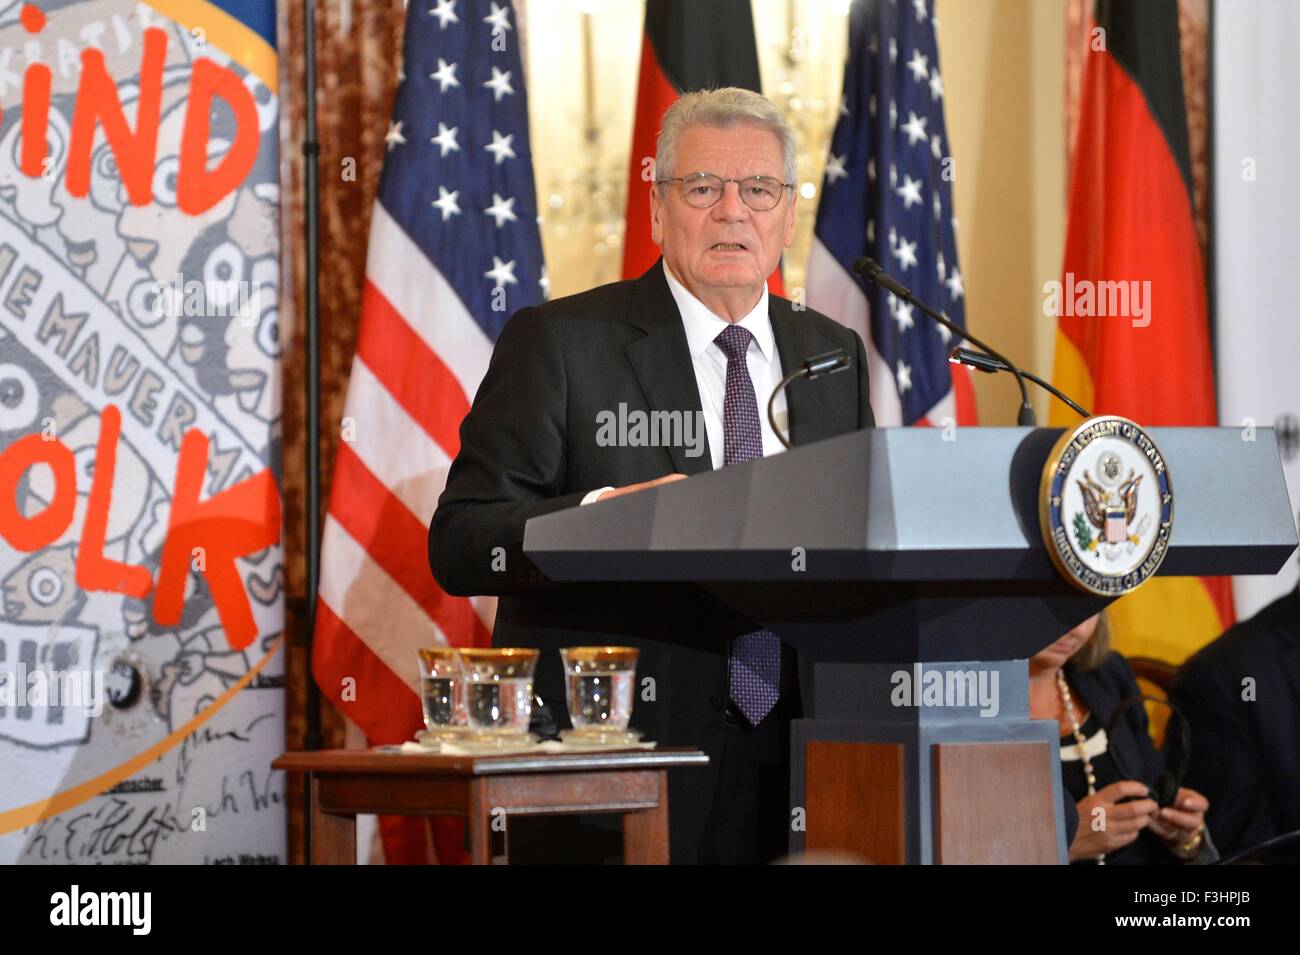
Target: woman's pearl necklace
1080,742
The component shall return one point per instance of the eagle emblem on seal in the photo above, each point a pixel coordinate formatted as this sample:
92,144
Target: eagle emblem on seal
1110,503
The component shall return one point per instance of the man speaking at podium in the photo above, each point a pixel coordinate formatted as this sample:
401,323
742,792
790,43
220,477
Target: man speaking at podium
696,339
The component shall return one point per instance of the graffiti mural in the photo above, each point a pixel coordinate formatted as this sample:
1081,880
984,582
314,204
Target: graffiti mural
141,574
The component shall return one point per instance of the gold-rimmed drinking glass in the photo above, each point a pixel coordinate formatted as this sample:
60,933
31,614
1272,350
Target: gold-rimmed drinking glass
499,689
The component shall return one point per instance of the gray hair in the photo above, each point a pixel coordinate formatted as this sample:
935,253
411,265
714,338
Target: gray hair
721,109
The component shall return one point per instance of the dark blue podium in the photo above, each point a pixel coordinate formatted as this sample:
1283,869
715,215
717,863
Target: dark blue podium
888,554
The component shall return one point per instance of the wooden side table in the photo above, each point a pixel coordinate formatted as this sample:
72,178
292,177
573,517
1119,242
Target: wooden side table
344,782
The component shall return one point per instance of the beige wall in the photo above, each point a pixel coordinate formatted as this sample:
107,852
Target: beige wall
1004,78
1004,81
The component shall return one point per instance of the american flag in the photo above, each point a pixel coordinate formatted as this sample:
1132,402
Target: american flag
887,194
454,250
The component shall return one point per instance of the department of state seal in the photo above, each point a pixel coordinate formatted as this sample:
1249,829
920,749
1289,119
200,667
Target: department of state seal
1106,506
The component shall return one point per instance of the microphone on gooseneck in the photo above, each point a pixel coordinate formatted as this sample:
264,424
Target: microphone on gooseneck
826,363
990,365
871,271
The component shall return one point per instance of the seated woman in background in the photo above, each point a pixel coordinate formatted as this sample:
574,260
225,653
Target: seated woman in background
1079,682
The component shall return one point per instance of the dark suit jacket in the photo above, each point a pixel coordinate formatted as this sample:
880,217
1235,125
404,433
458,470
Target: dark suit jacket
529,447
1246,753
1103,690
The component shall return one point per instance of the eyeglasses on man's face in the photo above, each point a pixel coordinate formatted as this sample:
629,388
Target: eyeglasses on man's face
703,189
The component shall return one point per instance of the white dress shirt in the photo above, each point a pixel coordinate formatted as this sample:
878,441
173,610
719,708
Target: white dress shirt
710,365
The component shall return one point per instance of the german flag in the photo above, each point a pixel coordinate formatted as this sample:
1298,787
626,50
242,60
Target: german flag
688,46
1131,249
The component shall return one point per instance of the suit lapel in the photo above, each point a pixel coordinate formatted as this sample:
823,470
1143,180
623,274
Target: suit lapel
1290,657
661,361
1287,631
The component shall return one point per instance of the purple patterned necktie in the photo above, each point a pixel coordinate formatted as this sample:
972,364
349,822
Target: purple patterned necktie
754,660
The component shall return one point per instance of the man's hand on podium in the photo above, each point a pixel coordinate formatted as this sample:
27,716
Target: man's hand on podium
633,488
